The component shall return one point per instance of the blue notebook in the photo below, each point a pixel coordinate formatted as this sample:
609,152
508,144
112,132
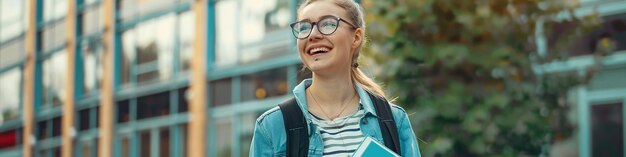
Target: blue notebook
371,147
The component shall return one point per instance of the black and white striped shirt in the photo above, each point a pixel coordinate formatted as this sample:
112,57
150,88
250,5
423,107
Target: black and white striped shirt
341,136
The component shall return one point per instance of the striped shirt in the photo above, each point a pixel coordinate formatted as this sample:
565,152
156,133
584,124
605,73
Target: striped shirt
341,136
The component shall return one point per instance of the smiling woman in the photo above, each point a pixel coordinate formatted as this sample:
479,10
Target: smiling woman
339,102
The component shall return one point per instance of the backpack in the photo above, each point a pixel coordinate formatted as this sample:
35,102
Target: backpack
297,134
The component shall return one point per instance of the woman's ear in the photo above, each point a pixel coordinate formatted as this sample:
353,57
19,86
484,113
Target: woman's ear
358,38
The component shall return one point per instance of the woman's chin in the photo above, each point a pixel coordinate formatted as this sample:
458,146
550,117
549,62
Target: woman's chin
316,68
328,70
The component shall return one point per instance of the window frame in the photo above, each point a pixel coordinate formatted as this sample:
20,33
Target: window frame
136,69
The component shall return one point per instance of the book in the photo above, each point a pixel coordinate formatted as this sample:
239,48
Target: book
370,147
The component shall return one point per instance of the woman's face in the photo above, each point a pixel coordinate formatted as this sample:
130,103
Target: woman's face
328,53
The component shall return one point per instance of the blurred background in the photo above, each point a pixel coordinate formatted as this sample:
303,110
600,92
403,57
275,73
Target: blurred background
478,77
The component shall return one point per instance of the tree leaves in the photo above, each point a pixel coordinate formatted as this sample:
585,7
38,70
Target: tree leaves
464,68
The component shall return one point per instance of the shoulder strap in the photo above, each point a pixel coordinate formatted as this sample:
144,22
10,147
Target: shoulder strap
295,129
387,124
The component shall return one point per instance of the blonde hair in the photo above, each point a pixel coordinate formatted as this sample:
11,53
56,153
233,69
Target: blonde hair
356,15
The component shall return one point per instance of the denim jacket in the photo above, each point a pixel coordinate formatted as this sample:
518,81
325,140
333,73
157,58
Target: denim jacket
269,137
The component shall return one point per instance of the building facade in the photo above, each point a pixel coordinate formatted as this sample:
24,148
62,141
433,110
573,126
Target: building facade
115,77
597,108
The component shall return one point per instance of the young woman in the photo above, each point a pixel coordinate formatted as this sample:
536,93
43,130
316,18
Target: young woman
335,103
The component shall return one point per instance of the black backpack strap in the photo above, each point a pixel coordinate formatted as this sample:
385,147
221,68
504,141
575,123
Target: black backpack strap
387,124
295,128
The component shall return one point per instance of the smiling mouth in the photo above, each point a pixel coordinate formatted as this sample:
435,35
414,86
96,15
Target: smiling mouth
318,51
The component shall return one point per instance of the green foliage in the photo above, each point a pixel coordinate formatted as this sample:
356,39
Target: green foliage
464,67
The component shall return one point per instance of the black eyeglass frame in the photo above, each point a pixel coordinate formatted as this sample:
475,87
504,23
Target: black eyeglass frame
314,24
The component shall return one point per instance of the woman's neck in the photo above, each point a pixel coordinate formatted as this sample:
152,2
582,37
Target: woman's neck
333,90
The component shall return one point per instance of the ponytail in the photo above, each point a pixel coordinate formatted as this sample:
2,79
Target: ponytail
367,83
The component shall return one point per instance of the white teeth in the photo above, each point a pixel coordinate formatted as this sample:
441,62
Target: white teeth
319,49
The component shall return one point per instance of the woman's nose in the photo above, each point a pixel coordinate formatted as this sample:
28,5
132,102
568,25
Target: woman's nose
315,34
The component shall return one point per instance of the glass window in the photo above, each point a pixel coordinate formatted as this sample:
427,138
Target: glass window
125,146
92,56
226,46
186,29
183,99
221,91
126,8
607,124
153,105
251,31
148,57
224,136
258,19
12,19
42,130
10,89
88,118
133,8
12,51
90,1
264,84
13,30
615,32
154,51
128,56
164,142
609,37
151,45
123,111
53,35
54,9
56,126
54,74
84,120
92,20
144,147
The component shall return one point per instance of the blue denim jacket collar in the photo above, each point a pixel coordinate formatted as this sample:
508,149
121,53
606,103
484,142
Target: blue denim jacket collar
300,94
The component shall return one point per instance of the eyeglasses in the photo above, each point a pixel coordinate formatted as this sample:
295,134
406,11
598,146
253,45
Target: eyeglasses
326,25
